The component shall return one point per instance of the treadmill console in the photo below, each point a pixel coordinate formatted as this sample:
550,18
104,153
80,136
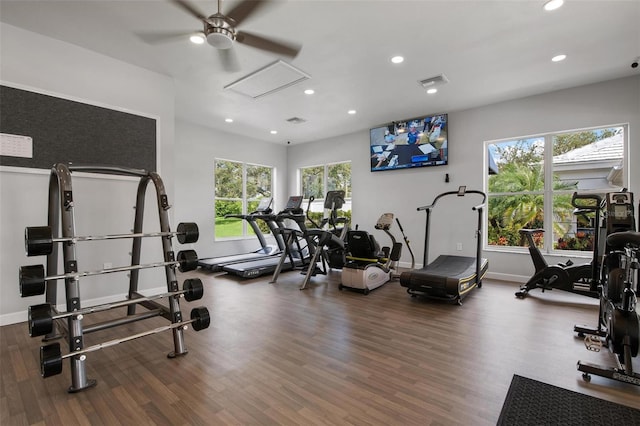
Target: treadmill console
293,204
265,206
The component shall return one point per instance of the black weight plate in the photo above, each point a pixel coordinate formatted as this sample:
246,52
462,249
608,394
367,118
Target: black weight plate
188,260
188,232
193,288
50,360
201,317
40,320
31,280
38,240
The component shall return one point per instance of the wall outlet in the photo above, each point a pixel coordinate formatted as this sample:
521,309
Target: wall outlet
459,246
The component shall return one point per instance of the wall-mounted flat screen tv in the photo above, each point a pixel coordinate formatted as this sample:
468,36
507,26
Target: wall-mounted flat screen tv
418,142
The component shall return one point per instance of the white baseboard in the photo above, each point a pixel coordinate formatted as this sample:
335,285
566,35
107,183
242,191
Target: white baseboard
22,316
519,279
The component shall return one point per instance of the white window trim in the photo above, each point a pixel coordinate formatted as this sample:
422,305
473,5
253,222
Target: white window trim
547,192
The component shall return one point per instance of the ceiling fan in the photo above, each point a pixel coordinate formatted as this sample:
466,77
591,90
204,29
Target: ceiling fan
220,31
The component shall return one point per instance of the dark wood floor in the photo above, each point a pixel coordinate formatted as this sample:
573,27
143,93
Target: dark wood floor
278,355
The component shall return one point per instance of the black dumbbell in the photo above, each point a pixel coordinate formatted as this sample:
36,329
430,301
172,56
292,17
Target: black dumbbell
38,240
32,279
41,317
51,357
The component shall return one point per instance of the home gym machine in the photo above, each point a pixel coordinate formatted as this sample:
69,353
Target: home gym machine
579,279
45,320
618,320
448,277
369,266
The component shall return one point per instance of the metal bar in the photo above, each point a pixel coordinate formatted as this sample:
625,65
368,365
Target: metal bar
122,321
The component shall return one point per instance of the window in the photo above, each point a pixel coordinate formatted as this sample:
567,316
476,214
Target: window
532,180
316,181
239,187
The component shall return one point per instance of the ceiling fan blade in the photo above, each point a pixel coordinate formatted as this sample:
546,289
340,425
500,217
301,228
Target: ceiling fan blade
190,9
245,8
164,37
260,42
228,59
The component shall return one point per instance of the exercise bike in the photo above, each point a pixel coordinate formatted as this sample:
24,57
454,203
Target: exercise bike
618,320
579,279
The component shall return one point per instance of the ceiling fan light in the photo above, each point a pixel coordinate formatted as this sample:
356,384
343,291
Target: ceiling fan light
553,4
197,38
219,40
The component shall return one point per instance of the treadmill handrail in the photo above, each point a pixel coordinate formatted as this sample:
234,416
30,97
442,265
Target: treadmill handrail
457,193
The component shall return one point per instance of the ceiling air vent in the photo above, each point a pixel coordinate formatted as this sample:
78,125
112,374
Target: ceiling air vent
434,81
296,120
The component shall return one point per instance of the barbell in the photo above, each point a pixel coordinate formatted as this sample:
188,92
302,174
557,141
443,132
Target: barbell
41,317
32,279
38,240
51,356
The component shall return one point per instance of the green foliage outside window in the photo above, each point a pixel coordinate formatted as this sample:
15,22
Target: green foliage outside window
238,190
516,193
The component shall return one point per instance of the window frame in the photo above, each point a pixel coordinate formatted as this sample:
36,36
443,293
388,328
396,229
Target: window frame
548,192
244,200
325,178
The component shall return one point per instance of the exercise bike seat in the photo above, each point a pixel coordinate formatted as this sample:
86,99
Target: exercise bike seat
619,240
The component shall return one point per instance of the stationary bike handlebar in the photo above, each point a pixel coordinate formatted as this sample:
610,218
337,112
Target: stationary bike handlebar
589,207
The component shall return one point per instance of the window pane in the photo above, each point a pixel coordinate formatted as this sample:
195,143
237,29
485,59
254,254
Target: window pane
228,178
509,213
589,160
258,182
520,165
225,228
339,178
312,182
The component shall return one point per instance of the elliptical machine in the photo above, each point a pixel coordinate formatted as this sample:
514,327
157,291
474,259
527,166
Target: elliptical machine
618,321
579,279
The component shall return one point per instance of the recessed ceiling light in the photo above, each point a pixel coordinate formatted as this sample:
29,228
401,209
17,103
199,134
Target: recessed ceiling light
197,38
553,4
397,59
559,58
432,91
309,92
274,132
229,120
351,111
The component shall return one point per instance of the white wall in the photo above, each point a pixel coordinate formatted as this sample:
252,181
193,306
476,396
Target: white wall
45,65
195,150
402,191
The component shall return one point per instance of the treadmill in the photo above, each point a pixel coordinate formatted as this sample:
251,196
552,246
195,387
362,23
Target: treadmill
448,277
262,212
297,254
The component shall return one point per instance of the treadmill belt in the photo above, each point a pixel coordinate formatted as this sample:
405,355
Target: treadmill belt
447,275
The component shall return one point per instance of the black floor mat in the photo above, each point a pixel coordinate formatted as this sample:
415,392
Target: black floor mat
530,402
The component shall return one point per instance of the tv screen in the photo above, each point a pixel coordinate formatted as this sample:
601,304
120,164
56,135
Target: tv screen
419,142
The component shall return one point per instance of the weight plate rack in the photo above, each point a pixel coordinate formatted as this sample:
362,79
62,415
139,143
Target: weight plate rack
45,320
